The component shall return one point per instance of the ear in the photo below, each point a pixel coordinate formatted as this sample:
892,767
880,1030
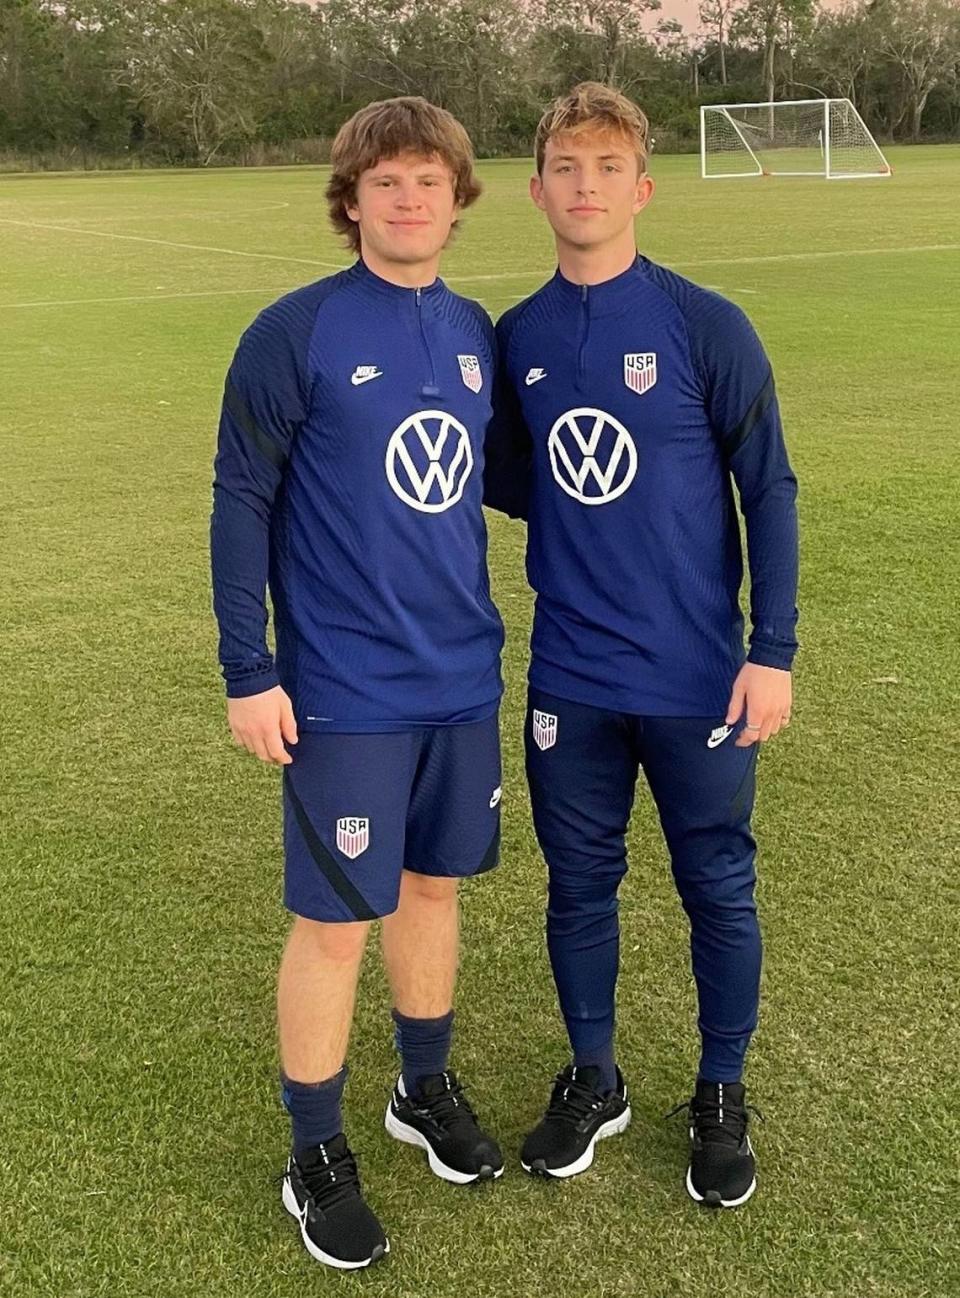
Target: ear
536,192
352,211
644,193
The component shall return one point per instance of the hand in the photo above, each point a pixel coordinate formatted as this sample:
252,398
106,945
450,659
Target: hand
261,722
767,694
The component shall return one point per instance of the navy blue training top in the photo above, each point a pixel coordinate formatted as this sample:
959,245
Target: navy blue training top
349,478
631,404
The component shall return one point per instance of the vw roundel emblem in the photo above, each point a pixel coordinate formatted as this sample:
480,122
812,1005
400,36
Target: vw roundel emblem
592,455
429,458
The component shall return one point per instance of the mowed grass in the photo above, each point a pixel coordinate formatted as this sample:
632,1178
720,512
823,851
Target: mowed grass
141,921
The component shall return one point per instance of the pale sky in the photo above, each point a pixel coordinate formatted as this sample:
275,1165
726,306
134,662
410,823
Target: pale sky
687,12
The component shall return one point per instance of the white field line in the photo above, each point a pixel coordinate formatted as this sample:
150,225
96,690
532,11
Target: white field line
231,292
148,297
819,256
169,243
540,273
743,261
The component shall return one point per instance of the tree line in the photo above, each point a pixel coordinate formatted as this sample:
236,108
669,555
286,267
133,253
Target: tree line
93,82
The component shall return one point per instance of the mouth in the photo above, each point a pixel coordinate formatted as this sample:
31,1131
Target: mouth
408,225
585,210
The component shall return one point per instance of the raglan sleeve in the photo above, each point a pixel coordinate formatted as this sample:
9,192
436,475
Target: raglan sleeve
745,416
508,446
264,406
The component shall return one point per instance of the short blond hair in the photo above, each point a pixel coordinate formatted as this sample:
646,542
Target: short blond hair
591,106
386,129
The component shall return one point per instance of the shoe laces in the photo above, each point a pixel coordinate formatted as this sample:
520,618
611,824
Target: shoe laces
445,1108
712,1121
572,1100
328,1180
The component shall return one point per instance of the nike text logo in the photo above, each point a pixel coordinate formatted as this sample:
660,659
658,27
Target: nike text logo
534,376
364,373
718,736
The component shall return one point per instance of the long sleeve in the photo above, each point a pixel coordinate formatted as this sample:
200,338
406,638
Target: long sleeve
508,446
742,403
264,403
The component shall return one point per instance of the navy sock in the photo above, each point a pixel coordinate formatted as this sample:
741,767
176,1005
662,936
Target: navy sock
314,1109
424,1046
601,1058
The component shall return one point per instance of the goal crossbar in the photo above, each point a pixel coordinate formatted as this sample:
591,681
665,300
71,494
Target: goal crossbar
788,137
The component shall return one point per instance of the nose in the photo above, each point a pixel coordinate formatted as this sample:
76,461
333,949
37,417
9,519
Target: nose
408,197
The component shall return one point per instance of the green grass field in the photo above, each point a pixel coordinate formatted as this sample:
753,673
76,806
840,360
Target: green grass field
141,922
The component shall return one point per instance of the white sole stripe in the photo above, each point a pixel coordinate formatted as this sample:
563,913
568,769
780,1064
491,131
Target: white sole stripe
724,1203
291,1205
612,1128
410,1136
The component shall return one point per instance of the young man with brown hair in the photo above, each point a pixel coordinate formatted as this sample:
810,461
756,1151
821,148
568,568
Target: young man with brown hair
348,477
633,397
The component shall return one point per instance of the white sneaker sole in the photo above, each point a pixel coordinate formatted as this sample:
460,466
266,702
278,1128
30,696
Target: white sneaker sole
410,1136
724,1203
291,1205
612,1128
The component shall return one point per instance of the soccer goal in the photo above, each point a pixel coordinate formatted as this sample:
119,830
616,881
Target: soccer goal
793,137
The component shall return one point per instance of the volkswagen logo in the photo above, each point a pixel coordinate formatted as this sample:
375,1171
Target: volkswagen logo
592,455
429,459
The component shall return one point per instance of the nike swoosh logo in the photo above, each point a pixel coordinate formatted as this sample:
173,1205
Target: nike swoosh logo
357,379
495,797
535,378
716,740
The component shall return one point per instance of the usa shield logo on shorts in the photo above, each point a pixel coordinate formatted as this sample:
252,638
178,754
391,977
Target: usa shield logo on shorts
471,373
544,729
640,371
353,835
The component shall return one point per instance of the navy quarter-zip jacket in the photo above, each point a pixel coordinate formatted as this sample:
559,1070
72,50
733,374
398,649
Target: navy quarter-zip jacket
625,412
348,477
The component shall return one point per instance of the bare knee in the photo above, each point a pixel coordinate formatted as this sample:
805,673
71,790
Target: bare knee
427,887
341,942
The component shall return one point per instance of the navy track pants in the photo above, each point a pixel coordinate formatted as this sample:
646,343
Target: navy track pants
582,767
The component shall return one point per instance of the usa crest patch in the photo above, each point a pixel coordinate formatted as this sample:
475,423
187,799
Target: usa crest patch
353,835
640,371
544,729
471,372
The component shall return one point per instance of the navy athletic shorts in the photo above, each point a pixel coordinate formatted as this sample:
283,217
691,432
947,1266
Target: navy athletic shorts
358,809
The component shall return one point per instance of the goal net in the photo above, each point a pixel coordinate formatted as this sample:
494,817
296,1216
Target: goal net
793,137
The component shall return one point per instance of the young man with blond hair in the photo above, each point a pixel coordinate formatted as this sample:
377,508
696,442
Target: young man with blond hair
348,478
634,399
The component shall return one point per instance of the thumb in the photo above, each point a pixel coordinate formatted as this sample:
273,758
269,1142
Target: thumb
737,700
288,722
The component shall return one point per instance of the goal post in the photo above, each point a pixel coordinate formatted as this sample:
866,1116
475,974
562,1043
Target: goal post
788,137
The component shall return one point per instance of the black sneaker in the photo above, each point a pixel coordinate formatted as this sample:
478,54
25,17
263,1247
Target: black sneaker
322,1190
440,1120
722,1171
579,1114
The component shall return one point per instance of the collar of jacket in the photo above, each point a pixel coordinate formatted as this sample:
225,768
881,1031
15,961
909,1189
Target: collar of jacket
606,298
361,274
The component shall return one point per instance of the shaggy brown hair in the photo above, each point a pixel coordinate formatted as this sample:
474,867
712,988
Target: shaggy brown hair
386,129
591,106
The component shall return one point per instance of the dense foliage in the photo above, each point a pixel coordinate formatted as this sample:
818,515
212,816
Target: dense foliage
169,81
